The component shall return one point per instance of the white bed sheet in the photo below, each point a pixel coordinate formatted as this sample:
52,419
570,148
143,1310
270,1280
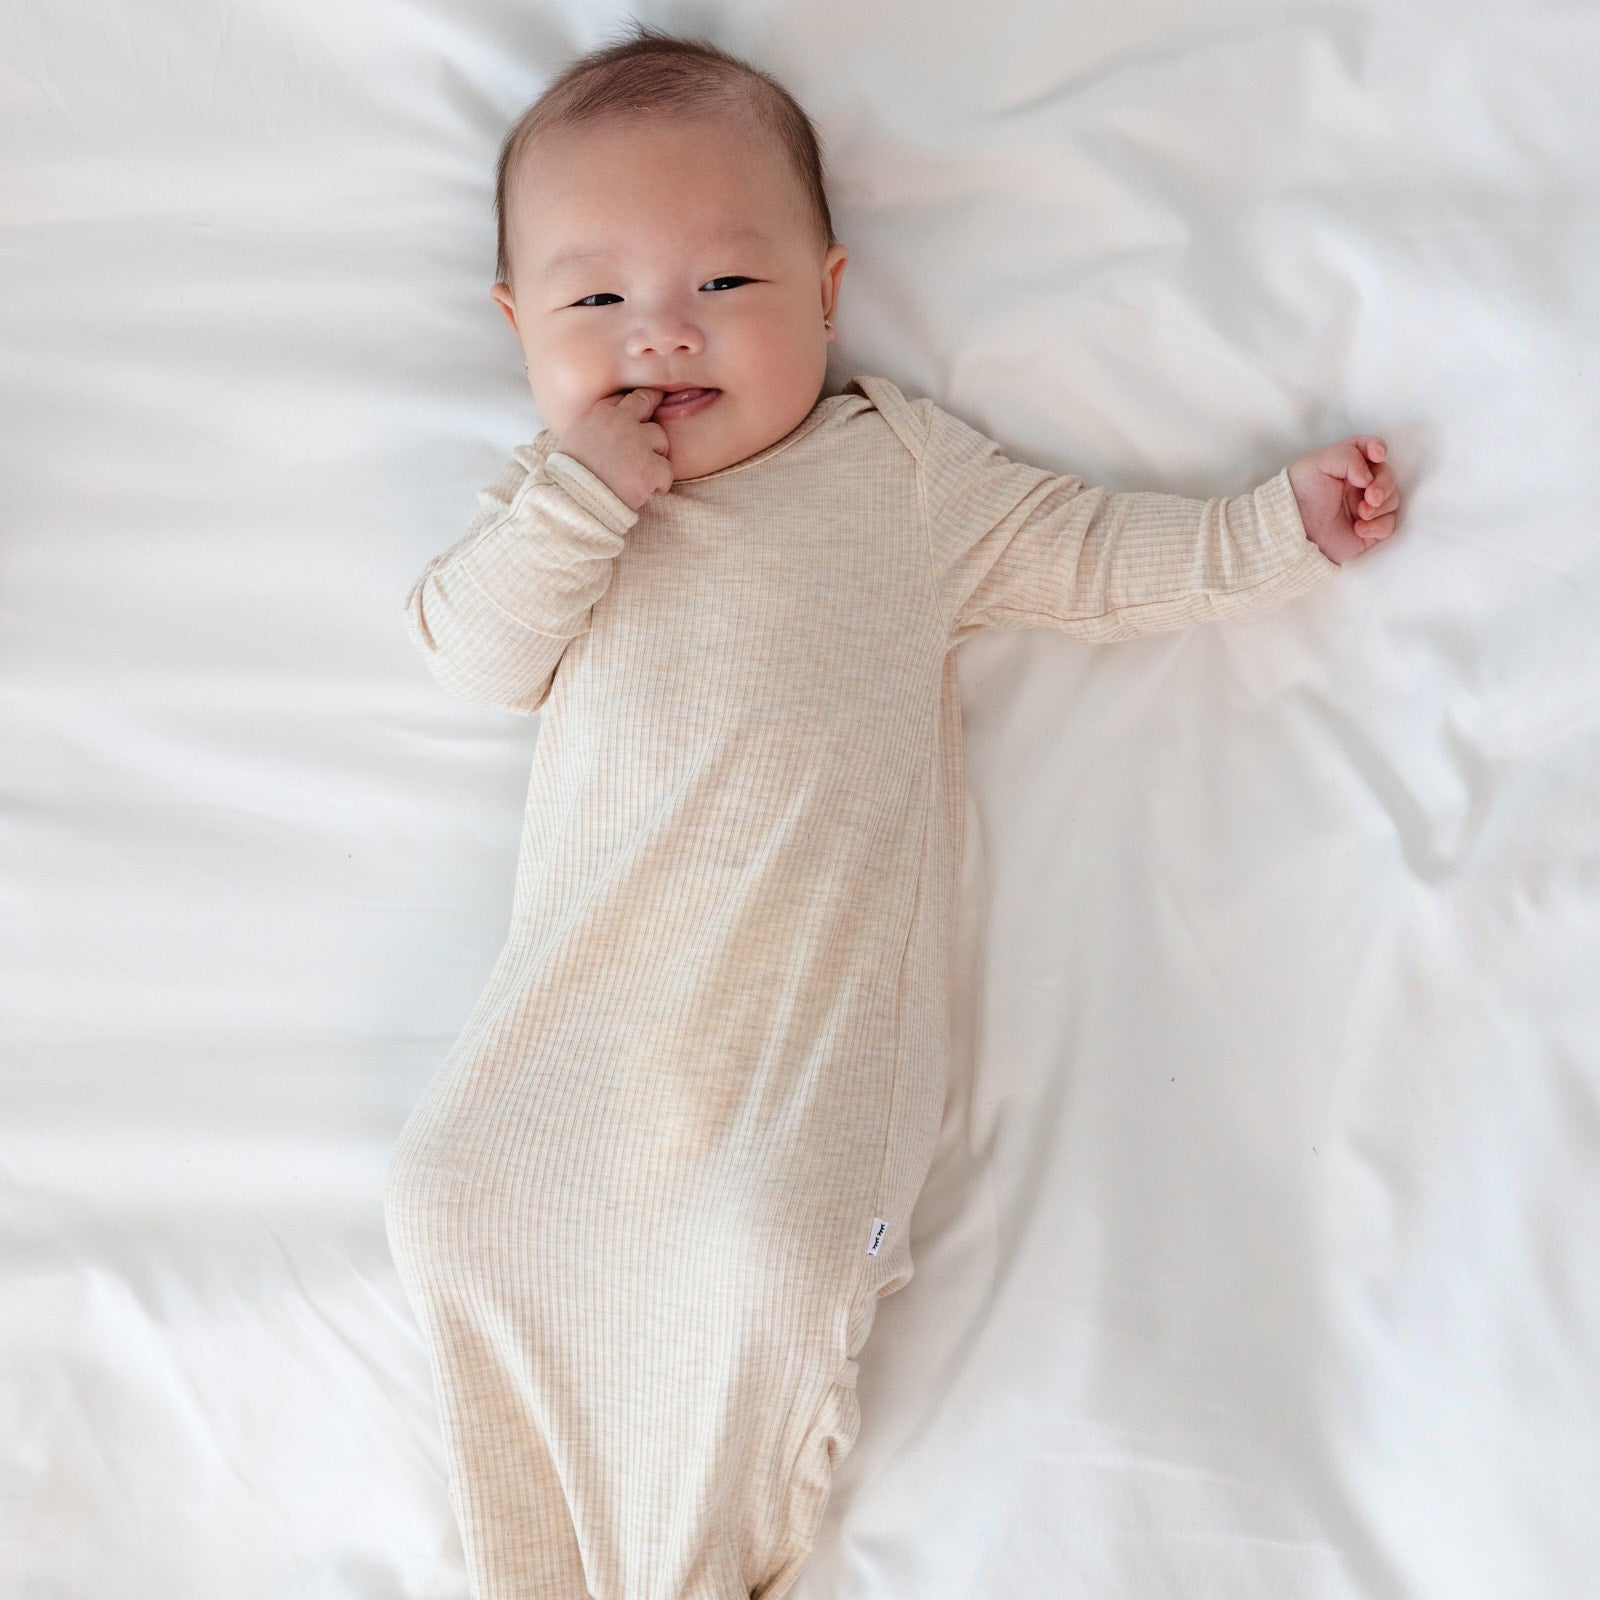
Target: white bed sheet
1260,1257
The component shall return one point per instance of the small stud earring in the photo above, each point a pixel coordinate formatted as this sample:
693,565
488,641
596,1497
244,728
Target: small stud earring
524,366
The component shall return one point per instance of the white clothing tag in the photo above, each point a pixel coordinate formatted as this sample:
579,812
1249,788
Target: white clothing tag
878,1226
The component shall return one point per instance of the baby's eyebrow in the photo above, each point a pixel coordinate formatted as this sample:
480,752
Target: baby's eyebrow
581,253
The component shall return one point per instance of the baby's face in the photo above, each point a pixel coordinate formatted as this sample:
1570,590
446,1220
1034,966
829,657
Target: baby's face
702,270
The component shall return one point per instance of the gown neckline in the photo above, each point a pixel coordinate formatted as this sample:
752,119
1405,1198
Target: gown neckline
544,442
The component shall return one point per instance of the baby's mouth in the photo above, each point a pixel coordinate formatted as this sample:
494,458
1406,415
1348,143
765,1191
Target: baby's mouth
666,394
674,402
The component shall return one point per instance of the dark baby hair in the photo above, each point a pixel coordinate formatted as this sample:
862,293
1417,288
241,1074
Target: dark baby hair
647,70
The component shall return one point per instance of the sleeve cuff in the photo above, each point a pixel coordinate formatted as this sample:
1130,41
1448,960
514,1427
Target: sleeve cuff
548,558
590,491
1307,565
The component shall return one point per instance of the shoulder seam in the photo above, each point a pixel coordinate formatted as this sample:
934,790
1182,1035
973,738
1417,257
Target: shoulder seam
894,408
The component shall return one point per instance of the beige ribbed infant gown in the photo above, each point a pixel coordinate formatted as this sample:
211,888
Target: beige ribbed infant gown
646,1206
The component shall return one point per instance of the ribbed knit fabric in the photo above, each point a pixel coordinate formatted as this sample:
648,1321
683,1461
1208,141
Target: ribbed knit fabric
646,1207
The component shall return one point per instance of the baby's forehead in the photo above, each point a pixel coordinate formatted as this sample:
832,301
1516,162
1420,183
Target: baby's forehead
715,181
562,158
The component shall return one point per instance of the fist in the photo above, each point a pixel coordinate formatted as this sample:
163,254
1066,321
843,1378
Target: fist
1347,495
618,443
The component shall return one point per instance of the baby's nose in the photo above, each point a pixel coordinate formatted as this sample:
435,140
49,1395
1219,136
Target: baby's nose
665,334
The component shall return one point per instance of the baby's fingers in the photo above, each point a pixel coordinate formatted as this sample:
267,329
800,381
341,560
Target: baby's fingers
647,399
1382,484
1371,507
1344,462
1356,460
1381,495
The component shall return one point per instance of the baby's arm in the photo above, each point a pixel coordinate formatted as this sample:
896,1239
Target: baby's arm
494,613
1017,546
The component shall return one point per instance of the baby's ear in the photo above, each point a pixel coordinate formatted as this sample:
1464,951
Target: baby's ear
501,295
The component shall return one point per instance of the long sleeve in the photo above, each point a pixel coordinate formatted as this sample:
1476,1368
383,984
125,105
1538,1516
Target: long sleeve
1016,546
493,614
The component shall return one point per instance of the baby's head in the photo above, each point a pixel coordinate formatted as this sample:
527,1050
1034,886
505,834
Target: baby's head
692,185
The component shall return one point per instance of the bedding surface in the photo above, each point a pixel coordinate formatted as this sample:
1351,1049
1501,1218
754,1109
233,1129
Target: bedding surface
1257,1253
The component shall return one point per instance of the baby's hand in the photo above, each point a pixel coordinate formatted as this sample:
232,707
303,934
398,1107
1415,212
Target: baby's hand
618,443
1348,502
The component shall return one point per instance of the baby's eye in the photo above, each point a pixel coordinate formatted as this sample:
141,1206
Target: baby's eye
602,295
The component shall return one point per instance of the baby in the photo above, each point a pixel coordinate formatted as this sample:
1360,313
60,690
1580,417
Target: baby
647,1207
